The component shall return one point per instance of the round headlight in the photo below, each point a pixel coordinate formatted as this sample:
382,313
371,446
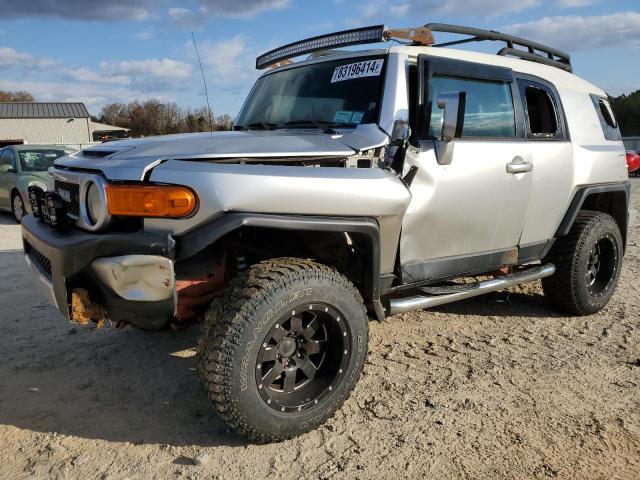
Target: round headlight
96,208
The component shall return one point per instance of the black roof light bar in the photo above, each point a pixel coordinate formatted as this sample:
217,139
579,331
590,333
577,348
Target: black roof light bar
345,38
552,56
535,52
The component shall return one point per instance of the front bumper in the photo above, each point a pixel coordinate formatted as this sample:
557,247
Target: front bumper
60,261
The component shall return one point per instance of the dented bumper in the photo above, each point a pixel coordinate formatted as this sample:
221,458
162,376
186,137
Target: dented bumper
117,269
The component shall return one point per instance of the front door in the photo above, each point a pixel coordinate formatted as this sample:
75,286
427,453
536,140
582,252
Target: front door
8,173
466,216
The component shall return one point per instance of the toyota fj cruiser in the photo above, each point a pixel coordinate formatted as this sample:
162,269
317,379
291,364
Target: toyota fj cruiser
380,180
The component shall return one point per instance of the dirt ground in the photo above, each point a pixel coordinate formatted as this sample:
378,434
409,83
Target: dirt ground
497,387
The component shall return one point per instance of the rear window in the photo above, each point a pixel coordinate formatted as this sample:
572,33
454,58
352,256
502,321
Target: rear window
607,119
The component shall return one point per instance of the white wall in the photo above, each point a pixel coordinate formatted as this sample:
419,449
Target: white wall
45,130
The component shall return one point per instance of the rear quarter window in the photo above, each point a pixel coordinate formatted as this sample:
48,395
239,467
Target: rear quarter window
607,119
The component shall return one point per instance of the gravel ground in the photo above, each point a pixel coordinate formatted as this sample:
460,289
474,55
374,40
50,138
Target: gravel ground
496,387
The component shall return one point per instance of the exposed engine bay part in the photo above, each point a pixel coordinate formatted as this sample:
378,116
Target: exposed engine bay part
143,278
84,311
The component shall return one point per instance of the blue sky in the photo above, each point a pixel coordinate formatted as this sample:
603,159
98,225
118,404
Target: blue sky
124,50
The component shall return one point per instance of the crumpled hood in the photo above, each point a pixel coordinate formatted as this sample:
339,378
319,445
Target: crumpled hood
131,159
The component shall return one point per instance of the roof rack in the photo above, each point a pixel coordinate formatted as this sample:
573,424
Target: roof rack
552,56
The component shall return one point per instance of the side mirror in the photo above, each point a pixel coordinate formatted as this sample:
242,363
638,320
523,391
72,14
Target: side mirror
453,105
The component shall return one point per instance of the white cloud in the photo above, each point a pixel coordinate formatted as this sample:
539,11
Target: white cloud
165,69
146,34
184,17
241,8
382,10
576,3
222,8
227,59
12,58
574,33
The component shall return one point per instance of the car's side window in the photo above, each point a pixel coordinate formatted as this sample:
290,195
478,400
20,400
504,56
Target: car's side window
608,121
6,161
541,111
489,111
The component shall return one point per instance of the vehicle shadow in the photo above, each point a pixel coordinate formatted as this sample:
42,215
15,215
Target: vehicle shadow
115,385
6,218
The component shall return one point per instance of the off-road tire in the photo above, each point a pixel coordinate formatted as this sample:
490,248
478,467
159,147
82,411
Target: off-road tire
236,326
568,289
16,197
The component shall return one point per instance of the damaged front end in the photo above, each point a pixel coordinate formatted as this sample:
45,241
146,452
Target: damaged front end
89,281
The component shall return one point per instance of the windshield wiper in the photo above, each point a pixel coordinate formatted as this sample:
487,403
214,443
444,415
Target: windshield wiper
257,126
324,126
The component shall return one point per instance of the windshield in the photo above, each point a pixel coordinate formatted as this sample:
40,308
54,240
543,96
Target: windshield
339,93
39,160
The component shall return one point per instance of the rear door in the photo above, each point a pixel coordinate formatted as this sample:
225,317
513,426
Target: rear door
467,216
552,154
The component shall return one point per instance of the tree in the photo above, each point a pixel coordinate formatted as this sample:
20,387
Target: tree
20,96
153,117
627,111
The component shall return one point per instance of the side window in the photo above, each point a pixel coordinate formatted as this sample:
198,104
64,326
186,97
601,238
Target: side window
489,111
541,111
6,161
607,119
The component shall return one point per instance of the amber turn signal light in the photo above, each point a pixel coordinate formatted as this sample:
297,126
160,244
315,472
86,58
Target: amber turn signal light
164,201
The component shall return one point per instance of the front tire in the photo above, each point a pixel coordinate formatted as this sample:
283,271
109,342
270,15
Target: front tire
588,262
283,348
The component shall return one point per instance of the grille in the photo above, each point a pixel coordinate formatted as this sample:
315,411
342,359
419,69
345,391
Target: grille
70,193
38,257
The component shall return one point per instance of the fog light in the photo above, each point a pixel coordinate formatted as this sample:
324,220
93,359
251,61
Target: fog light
54,212
36,198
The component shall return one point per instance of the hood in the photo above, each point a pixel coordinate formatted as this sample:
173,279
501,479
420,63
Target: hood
131,159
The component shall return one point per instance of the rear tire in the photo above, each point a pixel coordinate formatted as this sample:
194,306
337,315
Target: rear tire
17,207
283,348
588,262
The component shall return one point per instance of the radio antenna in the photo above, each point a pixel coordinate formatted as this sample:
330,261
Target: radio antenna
204,81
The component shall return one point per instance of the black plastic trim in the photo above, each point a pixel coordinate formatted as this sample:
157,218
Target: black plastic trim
581,195
193,242
450,267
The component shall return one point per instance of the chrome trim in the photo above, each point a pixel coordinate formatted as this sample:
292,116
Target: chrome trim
84,181
402,305
41,281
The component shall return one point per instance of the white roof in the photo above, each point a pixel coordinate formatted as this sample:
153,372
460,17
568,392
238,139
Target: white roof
557,76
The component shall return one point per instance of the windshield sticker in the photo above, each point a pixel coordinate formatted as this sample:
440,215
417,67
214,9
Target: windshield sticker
347,116
342,116
369,68
357,117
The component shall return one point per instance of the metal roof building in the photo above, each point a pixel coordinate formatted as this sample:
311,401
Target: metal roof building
67,123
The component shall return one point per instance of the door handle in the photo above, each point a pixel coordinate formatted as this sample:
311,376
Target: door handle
518,165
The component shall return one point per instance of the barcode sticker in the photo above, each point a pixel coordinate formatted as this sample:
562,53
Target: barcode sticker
369,68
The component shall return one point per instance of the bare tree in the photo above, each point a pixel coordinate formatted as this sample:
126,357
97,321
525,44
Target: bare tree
153,117
20,96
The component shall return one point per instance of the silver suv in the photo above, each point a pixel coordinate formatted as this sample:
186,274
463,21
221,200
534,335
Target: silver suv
377,181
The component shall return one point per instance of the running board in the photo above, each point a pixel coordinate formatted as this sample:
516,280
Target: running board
407,304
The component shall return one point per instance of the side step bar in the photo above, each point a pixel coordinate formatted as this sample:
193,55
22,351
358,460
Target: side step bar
407,304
